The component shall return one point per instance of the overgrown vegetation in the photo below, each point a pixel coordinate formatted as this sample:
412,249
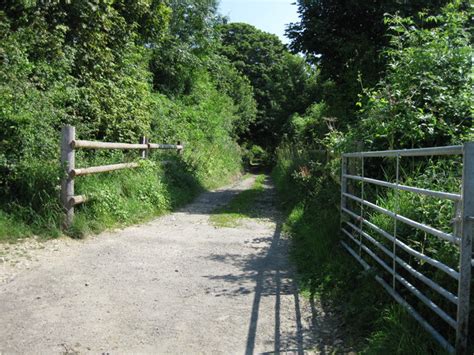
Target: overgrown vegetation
420,97
374,75
310,200
117,71
283,83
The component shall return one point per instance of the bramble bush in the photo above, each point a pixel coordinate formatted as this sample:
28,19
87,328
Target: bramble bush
423,99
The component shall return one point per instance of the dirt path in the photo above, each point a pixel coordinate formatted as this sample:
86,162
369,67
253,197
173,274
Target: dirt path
174,285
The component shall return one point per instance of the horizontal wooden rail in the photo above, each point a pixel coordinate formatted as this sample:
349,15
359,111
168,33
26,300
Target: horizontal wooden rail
165,146
69,144
75,144
102,169
105,145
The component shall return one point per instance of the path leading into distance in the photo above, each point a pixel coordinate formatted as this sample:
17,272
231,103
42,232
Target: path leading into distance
174,285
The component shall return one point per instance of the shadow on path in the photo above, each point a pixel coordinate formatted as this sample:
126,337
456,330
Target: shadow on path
268,275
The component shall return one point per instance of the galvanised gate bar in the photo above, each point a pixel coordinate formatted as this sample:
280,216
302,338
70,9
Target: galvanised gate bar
361,244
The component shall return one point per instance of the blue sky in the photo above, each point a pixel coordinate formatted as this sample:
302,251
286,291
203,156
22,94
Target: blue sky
268,15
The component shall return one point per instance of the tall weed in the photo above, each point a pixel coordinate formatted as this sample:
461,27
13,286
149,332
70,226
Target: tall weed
310,195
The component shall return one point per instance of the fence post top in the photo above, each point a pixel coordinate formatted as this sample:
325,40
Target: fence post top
469,145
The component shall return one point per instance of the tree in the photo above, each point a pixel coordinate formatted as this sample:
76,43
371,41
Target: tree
190,37
345,38
282,82
104,66
80,62
425,98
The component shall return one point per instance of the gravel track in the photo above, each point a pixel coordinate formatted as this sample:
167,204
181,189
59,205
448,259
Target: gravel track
174,285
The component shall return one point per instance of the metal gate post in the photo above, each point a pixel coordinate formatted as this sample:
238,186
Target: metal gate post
343,183
68,134
395,224
465,266
362,196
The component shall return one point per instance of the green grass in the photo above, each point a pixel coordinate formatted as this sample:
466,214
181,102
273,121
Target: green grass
397,333
12,229
373,323
117,199
132,196
240,207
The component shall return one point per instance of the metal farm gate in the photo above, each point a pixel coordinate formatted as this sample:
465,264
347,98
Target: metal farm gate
381,250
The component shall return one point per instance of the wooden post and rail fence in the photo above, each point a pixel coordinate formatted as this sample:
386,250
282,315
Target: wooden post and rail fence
69,145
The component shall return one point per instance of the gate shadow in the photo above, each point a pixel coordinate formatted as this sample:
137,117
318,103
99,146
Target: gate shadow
269,273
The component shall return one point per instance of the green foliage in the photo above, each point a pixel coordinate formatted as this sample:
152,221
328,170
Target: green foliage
192,23
426,97
230,82
396,335
178,58
203,121
32,105
98,66
310,127
325,271
57,67
283,83
188,54
175,71
127,197
12,228
345,39
422,98
310,199
254,156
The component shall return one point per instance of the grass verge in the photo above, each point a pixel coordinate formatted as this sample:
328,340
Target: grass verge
241,206
117,199
373,323
12,229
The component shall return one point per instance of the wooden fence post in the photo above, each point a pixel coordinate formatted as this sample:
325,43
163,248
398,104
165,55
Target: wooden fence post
467,226
68,134
179,150
144,152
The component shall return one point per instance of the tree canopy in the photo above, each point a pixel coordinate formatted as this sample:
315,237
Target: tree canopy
346,38
283,83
